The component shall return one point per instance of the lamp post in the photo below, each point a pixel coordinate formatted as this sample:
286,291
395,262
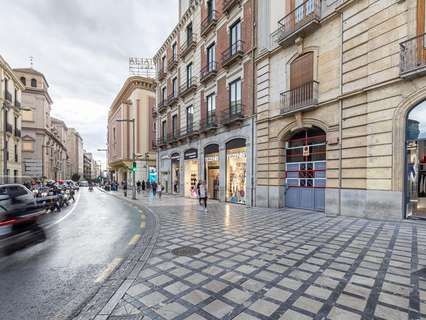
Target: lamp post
133,156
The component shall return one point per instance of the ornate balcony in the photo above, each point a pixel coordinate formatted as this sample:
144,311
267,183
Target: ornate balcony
228,5
301,21
172,99
161,75
17,104
413,57
301,98
173,137
189,86
162,141
188,46
208,72
162,106
172,63
233,54
190,131
209,23
208,123
17,133
234,114
153,144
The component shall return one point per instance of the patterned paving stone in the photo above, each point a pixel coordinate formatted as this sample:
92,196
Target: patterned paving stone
278,264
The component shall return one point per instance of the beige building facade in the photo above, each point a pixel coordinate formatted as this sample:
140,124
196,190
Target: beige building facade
205,104
75,152
135,101
10,126
43,152
340,120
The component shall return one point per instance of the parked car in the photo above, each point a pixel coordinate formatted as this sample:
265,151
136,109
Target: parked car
84,183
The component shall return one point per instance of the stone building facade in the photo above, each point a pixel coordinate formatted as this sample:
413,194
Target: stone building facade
10,124
136,100
205,101
340,120
43,151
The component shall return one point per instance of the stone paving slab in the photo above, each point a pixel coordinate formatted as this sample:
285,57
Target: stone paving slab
277,264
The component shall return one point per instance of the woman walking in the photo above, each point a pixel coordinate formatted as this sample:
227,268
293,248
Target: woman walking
159,190
203,194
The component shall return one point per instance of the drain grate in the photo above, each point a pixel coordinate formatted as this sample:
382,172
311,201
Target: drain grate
186,251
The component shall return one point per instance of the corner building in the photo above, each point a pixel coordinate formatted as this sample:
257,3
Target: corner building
205,101
341,117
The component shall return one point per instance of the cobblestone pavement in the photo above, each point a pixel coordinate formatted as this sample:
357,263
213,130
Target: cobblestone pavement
277,264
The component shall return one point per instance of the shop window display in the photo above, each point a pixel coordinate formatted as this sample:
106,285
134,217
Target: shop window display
236,175
212,175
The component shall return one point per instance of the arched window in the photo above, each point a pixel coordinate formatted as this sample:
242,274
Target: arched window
24,81
34,83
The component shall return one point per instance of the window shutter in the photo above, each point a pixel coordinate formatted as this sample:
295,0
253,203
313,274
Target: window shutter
302,70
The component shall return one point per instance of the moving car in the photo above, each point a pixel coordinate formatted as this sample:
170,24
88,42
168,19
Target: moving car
84,183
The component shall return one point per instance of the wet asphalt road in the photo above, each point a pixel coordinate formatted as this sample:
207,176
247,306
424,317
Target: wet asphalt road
47,280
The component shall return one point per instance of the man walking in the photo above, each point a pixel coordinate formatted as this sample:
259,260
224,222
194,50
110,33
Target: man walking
125,188
154,188
138,185
203,194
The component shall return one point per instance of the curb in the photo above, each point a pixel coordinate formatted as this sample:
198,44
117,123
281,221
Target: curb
103,300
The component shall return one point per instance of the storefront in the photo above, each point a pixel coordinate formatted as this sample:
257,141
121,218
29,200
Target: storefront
175,172
211,170
191,173
236,171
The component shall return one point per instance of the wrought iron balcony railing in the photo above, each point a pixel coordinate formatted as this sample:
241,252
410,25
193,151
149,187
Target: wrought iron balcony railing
153,144
189,86
209,71
209,22
233,114
173,137
303,19
188,45
300,98
413,57
228,5
162,106
172,99
161,74
172,63
233,53
189,131
162,141
208,122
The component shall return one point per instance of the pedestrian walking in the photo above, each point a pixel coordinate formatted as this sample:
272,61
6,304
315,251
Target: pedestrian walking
148,186
143,186
125,188
159,190
138,185
198,192
203,194
154,188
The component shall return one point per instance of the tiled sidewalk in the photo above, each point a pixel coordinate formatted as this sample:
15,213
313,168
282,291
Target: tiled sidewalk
278,264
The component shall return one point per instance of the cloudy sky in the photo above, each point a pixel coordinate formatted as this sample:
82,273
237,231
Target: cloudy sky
82,47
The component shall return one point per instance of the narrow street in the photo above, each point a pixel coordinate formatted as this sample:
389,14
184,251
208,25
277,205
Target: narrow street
84,243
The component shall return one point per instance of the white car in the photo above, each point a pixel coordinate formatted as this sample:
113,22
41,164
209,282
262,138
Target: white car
84,184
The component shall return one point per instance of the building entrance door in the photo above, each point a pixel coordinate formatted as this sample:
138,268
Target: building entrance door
306,170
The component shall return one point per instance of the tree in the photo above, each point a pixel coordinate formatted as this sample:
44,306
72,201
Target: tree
75,177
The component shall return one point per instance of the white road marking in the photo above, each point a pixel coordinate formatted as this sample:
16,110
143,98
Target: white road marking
109,269
68,214
134,239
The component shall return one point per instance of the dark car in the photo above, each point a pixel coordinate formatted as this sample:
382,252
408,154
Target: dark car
17,200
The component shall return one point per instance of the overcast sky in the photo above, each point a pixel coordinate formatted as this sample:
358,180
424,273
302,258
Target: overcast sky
82,47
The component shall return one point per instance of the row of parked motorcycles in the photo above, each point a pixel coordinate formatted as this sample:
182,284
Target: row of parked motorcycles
55,198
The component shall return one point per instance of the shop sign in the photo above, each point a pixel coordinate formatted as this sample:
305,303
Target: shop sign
306,151
212,157
236,155
175,156
191,154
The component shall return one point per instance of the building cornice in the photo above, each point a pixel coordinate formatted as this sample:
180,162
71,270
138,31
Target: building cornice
182,22
40,92
131,84
5,66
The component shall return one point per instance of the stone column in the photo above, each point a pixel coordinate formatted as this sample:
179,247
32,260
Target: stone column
222,172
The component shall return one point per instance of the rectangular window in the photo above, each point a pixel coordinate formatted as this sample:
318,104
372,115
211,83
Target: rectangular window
163,63
164,129
16,153
211,108
210,57
235,37
27,146
189,75
27,115
174,125
163,94
189,34
174,87
210,9
174,51
235,96
189,118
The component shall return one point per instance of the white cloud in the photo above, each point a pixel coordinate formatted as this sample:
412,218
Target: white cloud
82,47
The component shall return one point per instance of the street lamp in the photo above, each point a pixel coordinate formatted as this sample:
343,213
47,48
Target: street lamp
133,155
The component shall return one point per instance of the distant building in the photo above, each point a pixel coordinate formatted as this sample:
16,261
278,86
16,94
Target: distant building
75,152
88,169
60,129
43,151
135,100
10,128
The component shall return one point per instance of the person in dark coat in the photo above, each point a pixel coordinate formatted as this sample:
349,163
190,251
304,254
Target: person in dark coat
143,185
